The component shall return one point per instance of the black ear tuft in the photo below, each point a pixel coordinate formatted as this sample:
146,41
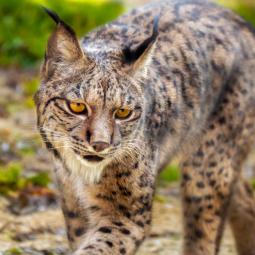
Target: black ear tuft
53,15
131,55
58,20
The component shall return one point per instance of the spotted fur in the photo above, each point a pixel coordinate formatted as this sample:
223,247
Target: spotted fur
185,69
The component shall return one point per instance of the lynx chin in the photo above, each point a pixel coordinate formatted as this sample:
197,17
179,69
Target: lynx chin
169,78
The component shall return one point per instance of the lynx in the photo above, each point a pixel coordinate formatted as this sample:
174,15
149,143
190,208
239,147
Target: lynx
169,78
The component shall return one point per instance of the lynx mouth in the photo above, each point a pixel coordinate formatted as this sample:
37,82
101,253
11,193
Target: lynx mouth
93,158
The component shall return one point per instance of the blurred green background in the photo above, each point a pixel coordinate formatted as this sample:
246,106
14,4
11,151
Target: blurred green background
25,27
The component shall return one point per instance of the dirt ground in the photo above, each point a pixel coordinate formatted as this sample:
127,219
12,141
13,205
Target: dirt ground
43,232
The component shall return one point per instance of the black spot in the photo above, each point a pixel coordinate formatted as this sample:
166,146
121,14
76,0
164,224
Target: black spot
212,164
200,153
125,191
138,242
208,197
148,222
104,197
124,210
212,183
212,127
88,247
210,206
140,223
110,244
210,143
72,215
193,199
122,251
199,234
196,216
200,185
114,193
79,231
186,177
220,195
222,120
124,174
136,165
125,231
118,223
106,230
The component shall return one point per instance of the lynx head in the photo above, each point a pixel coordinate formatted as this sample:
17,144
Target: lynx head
90,112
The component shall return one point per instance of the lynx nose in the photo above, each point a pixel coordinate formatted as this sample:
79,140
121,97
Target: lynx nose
99,146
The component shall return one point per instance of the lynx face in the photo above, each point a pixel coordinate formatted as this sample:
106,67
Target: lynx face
96,115
89,112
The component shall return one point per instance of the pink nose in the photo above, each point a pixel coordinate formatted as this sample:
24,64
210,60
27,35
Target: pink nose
99,146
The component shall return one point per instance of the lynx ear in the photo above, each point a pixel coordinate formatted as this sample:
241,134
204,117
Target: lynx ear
63,46
136,60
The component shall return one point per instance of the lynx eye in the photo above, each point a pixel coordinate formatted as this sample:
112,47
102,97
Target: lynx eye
123,113
77,108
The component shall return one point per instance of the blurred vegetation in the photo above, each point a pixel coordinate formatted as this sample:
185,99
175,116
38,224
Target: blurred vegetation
245,8
171,173
25,27
12,179
14,251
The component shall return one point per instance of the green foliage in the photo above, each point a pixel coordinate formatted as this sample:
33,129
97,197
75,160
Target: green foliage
25,27
10,174
14,251
245,8
246,11
170,174
11,179
253,183
30,86
41,179
160,199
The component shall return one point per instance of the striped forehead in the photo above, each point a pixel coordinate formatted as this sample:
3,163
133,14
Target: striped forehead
100,90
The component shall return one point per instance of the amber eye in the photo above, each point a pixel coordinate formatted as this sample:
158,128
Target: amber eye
123,113
77,108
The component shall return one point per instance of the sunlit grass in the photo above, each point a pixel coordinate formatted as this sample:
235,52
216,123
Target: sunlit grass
94,2
171,173
245,8
229,3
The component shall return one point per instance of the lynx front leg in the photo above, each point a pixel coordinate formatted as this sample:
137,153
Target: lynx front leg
92,232
112,217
